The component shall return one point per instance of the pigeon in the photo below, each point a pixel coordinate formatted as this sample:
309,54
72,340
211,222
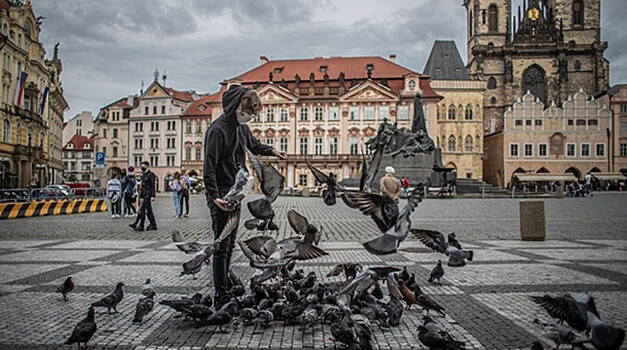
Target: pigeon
394,309
239,190
452,240
308,319
84,330
197,312
342,332
437,272
193,266
143,307
263,318
411,281
404,275
538,345
272,184
369,172
377,292
350,270
580,312
231,224
364,280
246,315
382,209
434,336
435,240
408,295
147,288
393,287
207,301
388,242
223,316
302,227
328,193
192,247
265,252
178,305
558,333
111,300
66,287
363,331
428,304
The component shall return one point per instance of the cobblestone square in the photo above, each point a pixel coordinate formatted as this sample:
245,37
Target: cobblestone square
486,302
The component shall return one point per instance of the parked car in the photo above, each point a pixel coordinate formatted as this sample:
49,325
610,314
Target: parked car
63,191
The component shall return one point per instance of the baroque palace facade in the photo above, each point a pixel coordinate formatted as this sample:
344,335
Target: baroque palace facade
32,102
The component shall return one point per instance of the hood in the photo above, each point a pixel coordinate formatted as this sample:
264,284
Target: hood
231,100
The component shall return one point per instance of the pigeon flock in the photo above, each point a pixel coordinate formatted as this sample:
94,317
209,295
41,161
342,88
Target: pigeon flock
352,299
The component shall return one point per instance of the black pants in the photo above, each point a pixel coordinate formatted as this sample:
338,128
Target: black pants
129,208
146,209
222,255
115,207
185,198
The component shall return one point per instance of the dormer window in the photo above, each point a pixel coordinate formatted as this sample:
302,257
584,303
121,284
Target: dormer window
412,84
202,108
323,69
86,146
278,70
70,145
369,67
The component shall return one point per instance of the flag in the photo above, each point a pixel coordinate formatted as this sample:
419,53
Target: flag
43,100
19,89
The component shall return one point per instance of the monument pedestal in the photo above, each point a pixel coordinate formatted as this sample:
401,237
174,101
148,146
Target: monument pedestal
416,168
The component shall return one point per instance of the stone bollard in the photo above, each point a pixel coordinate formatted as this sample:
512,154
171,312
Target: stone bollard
305,192
532,224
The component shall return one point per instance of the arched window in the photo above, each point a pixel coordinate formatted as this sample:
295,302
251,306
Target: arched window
29,136
6,131
493,18
468,144
534,81
491,83
578,12
451,144
412,84
27,28
468,113
493,101
451,112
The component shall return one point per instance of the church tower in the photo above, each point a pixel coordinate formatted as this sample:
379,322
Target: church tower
551,48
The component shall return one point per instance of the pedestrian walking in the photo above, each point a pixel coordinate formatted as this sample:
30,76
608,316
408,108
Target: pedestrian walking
147,196
186,184
588,188
390,186
114,193
405,186
130,193
226,140
176,188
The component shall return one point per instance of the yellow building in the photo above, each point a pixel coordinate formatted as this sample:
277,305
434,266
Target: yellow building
459,113
27,147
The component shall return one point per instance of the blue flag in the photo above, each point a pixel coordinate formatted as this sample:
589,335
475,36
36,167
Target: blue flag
43,100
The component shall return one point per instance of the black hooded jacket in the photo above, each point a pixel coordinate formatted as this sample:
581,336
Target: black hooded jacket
224,146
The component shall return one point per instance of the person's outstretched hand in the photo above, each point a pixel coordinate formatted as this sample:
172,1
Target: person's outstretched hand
280,154
222,204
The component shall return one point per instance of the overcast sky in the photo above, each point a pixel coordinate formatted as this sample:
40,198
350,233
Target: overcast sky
109,46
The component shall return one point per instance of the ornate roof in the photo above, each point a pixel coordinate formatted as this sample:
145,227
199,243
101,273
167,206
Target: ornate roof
445,62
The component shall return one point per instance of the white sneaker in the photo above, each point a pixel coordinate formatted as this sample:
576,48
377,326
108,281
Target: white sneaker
113,216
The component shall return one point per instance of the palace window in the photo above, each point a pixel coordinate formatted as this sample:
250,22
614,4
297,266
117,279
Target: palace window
333,113
570,149
198,153
369,113
412,84
270,142
304,145
115,133
162,109
528,149
304,114
318,114
146,110
577,12
468,144
403,113
188,127
29,136
270,115
188,153
198,127
623,108
333,146
169,160
493,18
384,112
170,142
6,131
451,144
283,144
302,179
513,150
154,161
468,113
585,150
451,112
115,151
623,149
354,113
154,109
318,146
542,150
354,145
284,114
623,126
600,150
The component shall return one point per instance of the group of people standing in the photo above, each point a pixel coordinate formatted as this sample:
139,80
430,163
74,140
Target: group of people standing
180,193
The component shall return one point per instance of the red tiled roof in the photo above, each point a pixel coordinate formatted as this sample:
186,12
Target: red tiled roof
353,68
180,95
4,5
78,142
200,107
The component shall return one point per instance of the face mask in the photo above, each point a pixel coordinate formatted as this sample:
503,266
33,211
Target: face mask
144,169
244,118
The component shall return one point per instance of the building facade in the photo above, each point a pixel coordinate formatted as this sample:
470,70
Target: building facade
80,124
78,160
618,104
155,130
572,138
459,113
194,122
551,48
32,102
325,109
111,134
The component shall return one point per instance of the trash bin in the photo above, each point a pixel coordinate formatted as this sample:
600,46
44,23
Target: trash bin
305,192
532,223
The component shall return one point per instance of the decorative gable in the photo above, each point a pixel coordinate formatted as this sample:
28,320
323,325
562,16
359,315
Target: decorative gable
271,93
369,91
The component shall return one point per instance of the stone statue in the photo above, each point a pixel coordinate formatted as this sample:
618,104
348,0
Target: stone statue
326,79
270,76
419,122
283,83
418,142
341,78
297,80
312,79
56,52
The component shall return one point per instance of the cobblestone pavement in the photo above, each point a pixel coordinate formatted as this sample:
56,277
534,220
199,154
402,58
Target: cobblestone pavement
486,301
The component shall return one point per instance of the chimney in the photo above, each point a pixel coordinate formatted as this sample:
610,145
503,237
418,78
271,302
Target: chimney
263,59
393,57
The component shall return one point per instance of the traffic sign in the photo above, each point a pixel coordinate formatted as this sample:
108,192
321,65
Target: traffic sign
100,158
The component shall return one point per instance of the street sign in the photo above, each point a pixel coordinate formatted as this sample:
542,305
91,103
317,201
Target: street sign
100,160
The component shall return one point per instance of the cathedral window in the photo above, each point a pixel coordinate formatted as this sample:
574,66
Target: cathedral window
451,144
534,81
492,83
451,112
492,18
578,12
468,113
468,144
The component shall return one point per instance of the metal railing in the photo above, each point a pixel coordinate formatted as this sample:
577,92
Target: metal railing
41,194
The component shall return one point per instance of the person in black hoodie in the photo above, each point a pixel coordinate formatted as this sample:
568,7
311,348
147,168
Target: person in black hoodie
225,142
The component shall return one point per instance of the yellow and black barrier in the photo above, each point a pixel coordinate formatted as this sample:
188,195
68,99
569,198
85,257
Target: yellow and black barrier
51,207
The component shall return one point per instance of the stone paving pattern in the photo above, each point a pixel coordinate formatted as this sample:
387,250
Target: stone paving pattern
486,301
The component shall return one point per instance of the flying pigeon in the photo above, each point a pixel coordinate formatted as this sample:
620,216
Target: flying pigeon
435,240
66,287
191,247
302,227
239,190
328,193
265,252
364,280
193,266
84,330
272,184
111,300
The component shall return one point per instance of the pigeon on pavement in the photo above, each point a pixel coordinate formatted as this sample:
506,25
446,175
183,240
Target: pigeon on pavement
437,273
111,300
84,330
143,307
364,280
66,287
178,305
224,315
147,288
192,247
558,333
435,336
408,295
394,309
350,270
